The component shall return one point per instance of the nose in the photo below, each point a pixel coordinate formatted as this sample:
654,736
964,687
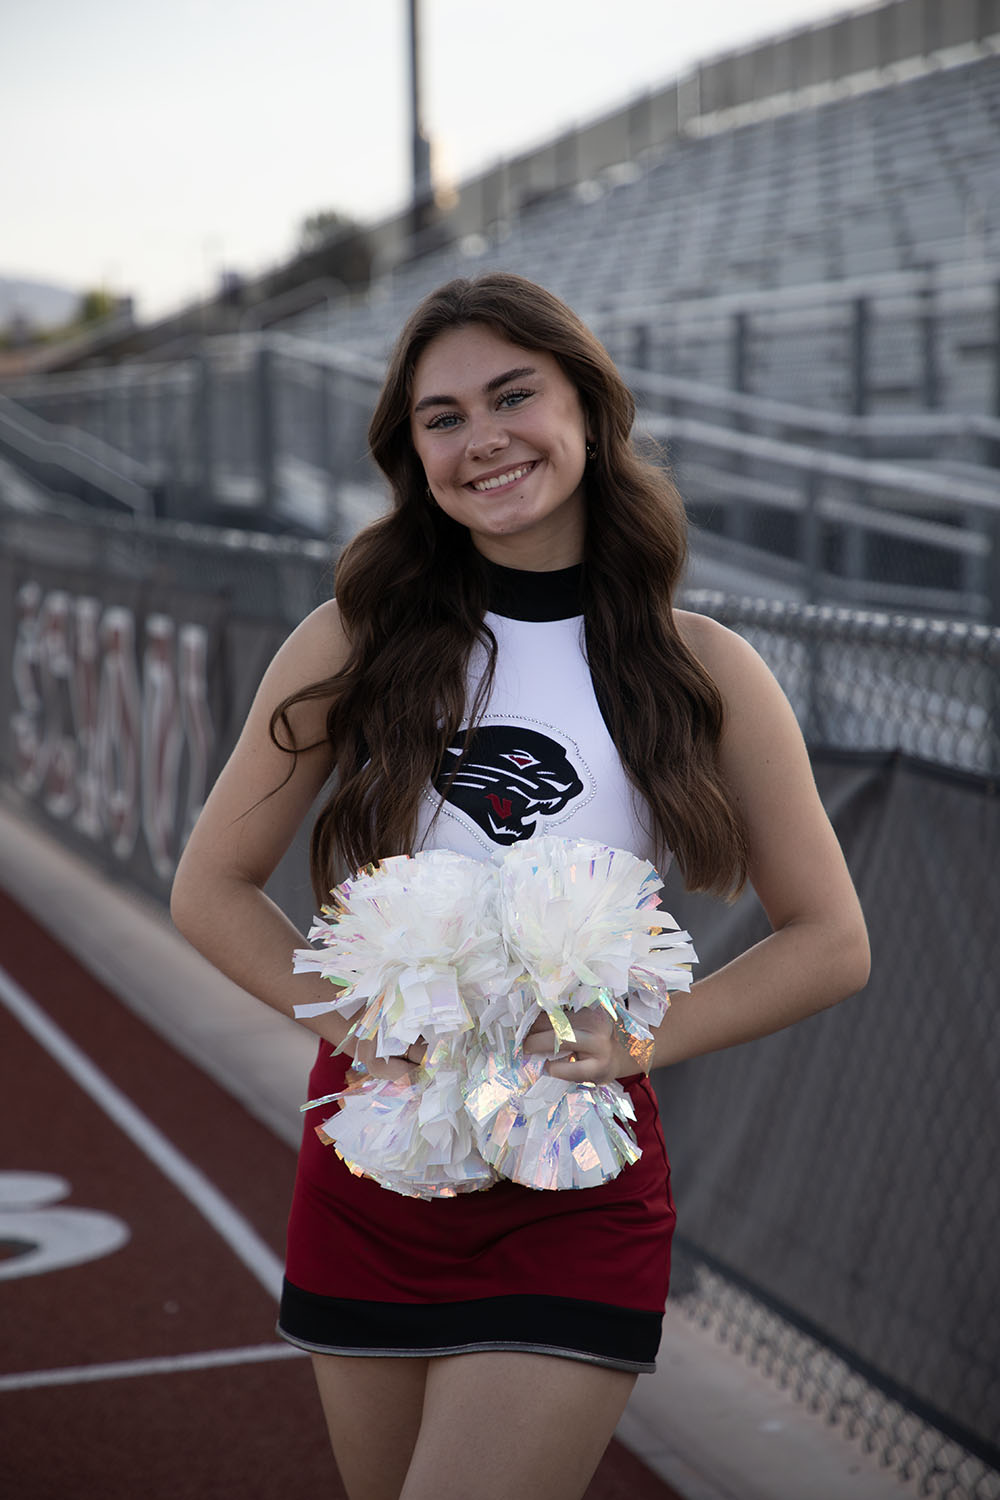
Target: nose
485,437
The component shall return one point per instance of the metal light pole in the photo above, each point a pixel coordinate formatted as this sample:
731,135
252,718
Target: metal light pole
422,191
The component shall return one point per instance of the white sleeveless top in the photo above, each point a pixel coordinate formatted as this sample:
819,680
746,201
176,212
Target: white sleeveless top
541,760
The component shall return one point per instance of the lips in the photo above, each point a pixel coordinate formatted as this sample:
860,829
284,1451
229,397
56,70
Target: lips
501,478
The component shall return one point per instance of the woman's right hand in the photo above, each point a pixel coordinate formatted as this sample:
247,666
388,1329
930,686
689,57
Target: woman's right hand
389,1067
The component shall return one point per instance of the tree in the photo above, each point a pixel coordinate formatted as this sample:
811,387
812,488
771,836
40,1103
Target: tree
321,226
94,306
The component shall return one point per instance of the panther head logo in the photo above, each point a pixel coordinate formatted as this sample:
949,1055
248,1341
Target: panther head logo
509,778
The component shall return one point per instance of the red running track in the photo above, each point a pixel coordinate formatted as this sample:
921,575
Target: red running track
150,1368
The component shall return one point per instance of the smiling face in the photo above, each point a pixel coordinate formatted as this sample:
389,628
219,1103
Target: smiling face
502,435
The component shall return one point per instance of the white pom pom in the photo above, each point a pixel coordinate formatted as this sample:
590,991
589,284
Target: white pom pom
467,955
412,1135
547,1133
413,945
582,918
662,956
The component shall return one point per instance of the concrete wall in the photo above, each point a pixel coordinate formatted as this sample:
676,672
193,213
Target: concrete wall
873,39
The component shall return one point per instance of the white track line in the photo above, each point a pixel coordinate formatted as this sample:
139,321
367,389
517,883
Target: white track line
238,1234
128,1369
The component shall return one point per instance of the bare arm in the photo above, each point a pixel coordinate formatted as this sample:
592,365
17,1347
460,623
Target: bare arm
818,951
245,827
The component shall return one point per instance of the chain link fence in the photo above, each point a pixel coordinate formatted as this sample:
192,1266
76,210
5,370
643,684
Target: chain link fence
828,1385
836,1183
864,681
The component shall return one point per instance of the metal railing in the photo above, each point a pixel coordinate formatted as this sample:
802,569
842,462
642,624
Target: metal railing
73,462
839,528
912,342
942,438
270,430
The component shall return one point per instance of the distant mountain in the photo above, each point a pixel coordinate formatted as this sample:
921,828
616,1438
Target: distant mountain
41,302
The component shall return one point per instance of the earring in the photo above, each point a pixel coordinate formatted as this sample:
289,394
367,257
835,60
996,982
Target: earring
591,450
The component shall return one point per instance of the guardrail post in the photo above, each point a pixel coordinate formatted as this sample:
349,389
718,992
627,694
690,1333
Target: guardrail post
854,549
811,550
739,353
641,346
813,718
265,430
123,413
203,429
860,334
931,373
994,447
327,448
147,421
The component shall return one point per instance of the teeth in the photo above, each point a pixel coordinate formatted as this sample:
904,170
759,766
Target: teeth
493,484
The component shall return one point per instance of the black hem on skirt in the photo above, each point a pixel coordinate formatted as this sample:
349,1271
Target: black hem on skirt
621,1338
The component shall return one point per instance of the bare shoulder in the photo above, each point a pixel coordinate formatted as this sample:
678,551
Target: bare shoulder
316,649
795,863
315,652
262,794
729,660
701,634
758,719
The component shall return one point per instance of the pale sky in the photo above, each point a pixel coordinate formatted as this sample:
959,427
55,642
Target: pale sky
147,146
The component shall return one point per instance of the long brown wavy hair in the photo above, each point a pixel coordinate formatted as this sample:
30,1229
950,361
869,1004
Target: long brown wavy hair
412,593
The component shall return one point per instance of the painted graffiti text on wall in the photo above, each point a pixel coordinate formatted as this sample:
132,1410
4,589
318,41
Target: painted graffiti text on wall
110,743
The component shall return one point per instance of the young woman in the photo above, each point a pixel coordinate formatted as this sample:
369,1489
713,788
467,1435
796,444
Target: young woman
503,659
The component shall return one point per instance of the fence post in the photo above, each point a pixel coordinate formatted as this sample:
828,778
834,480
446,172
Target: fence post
126,420
739,353
931,375
324,447
327,399
814,721
265,429
860,332
203,426
641,346
147,424
994,447
854,544
811,549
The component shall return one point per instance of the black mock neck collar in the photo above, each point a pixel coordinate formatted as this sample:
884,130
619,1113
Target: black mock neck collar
519,595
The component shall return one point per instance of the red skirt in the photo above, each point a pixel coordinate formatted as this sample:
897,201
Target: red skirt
581,1273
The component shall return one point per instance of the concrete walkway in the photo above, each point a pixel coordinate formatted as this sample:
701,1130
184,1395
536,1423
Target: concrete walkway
712,1426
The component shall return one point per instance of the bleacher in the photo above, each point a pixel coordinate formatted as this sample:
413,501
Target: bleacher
803,291
884,190
841,260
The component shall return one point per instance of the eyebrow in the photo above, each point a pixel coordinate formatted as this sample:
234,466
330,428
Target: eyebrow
489,387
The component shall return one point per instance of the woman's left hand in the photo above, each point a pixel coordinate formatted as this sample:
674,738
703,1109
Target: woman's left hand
597,1055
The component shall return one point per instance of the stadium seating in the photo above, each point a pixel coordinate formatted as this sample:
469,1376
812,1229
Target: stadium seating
806,306
839,200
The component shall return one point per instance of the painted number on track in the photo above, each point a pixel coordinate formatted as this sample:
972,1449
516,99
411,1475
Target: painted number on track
37,1237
